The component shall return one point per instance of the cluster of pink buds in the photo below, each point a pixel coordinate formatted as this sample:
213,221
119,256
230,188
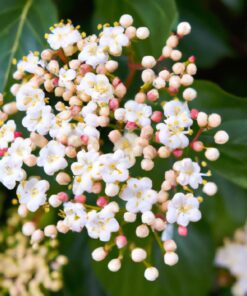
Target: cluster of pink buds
117,158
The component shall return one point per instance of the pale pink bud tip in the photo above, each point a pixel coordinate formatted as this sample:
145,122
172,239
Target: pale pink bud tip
156,116
157,138
192,59
113,104
17,134
62,196
197,146
80,198
131,125
194,113
177,153
84,139
182,231
116,81
3,151
102,202
121,241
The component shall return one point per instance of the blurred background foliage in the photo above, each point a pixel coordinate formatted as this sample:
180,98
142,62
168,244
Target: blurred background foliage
218,40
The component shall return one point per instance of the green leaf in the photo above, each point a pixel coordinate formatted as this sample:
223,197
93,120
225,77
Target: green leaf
208,39
159,16
191,276
226,210
233,110
22,27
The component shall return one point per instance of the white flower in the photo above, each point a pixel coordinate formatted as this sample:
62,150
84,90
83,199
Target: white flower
178,114
188,173
32,193
101,224
182,209
139,195
66,76
7,133
38,118
97,86
63,35
113,167
83,170
128,144
30,63
75,216
93,54
83,129
51,157
233,256
172,138
89,114
11,171
20,149
113,38
60,128
28,96
138,113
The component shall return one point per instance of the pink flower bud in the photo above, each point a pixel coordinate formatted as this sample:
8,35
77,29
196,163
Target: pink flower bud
157,138
85,68
3,151
121,241
80,198
17,134
131,126
153,95
116,81
192,59
114,104
194,113
96,187
102,201
177,153
197,146
63,196
172,90
170,245
84,139
183,231
55,81
156,116
114,136
75,110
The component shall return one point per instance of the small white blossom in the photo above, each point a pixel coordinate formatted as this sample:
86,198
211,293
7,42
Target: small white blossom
20,149
139,195
178,114
29,96
101,224
32,193
39,118
51,157
29,63
93,54
66,76
113,167
182,209
75,216
114,39
11,171
188,173
172,138
97,86
128,144
7,133
83,170
63,35
137,113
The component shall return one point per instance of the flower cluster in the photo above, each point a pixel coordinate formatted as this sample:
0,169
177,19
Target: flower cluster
233,256
109,154
28,270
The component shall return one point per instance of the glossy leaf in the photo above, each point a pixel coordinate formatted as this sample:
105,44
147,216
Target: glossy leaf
22,27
